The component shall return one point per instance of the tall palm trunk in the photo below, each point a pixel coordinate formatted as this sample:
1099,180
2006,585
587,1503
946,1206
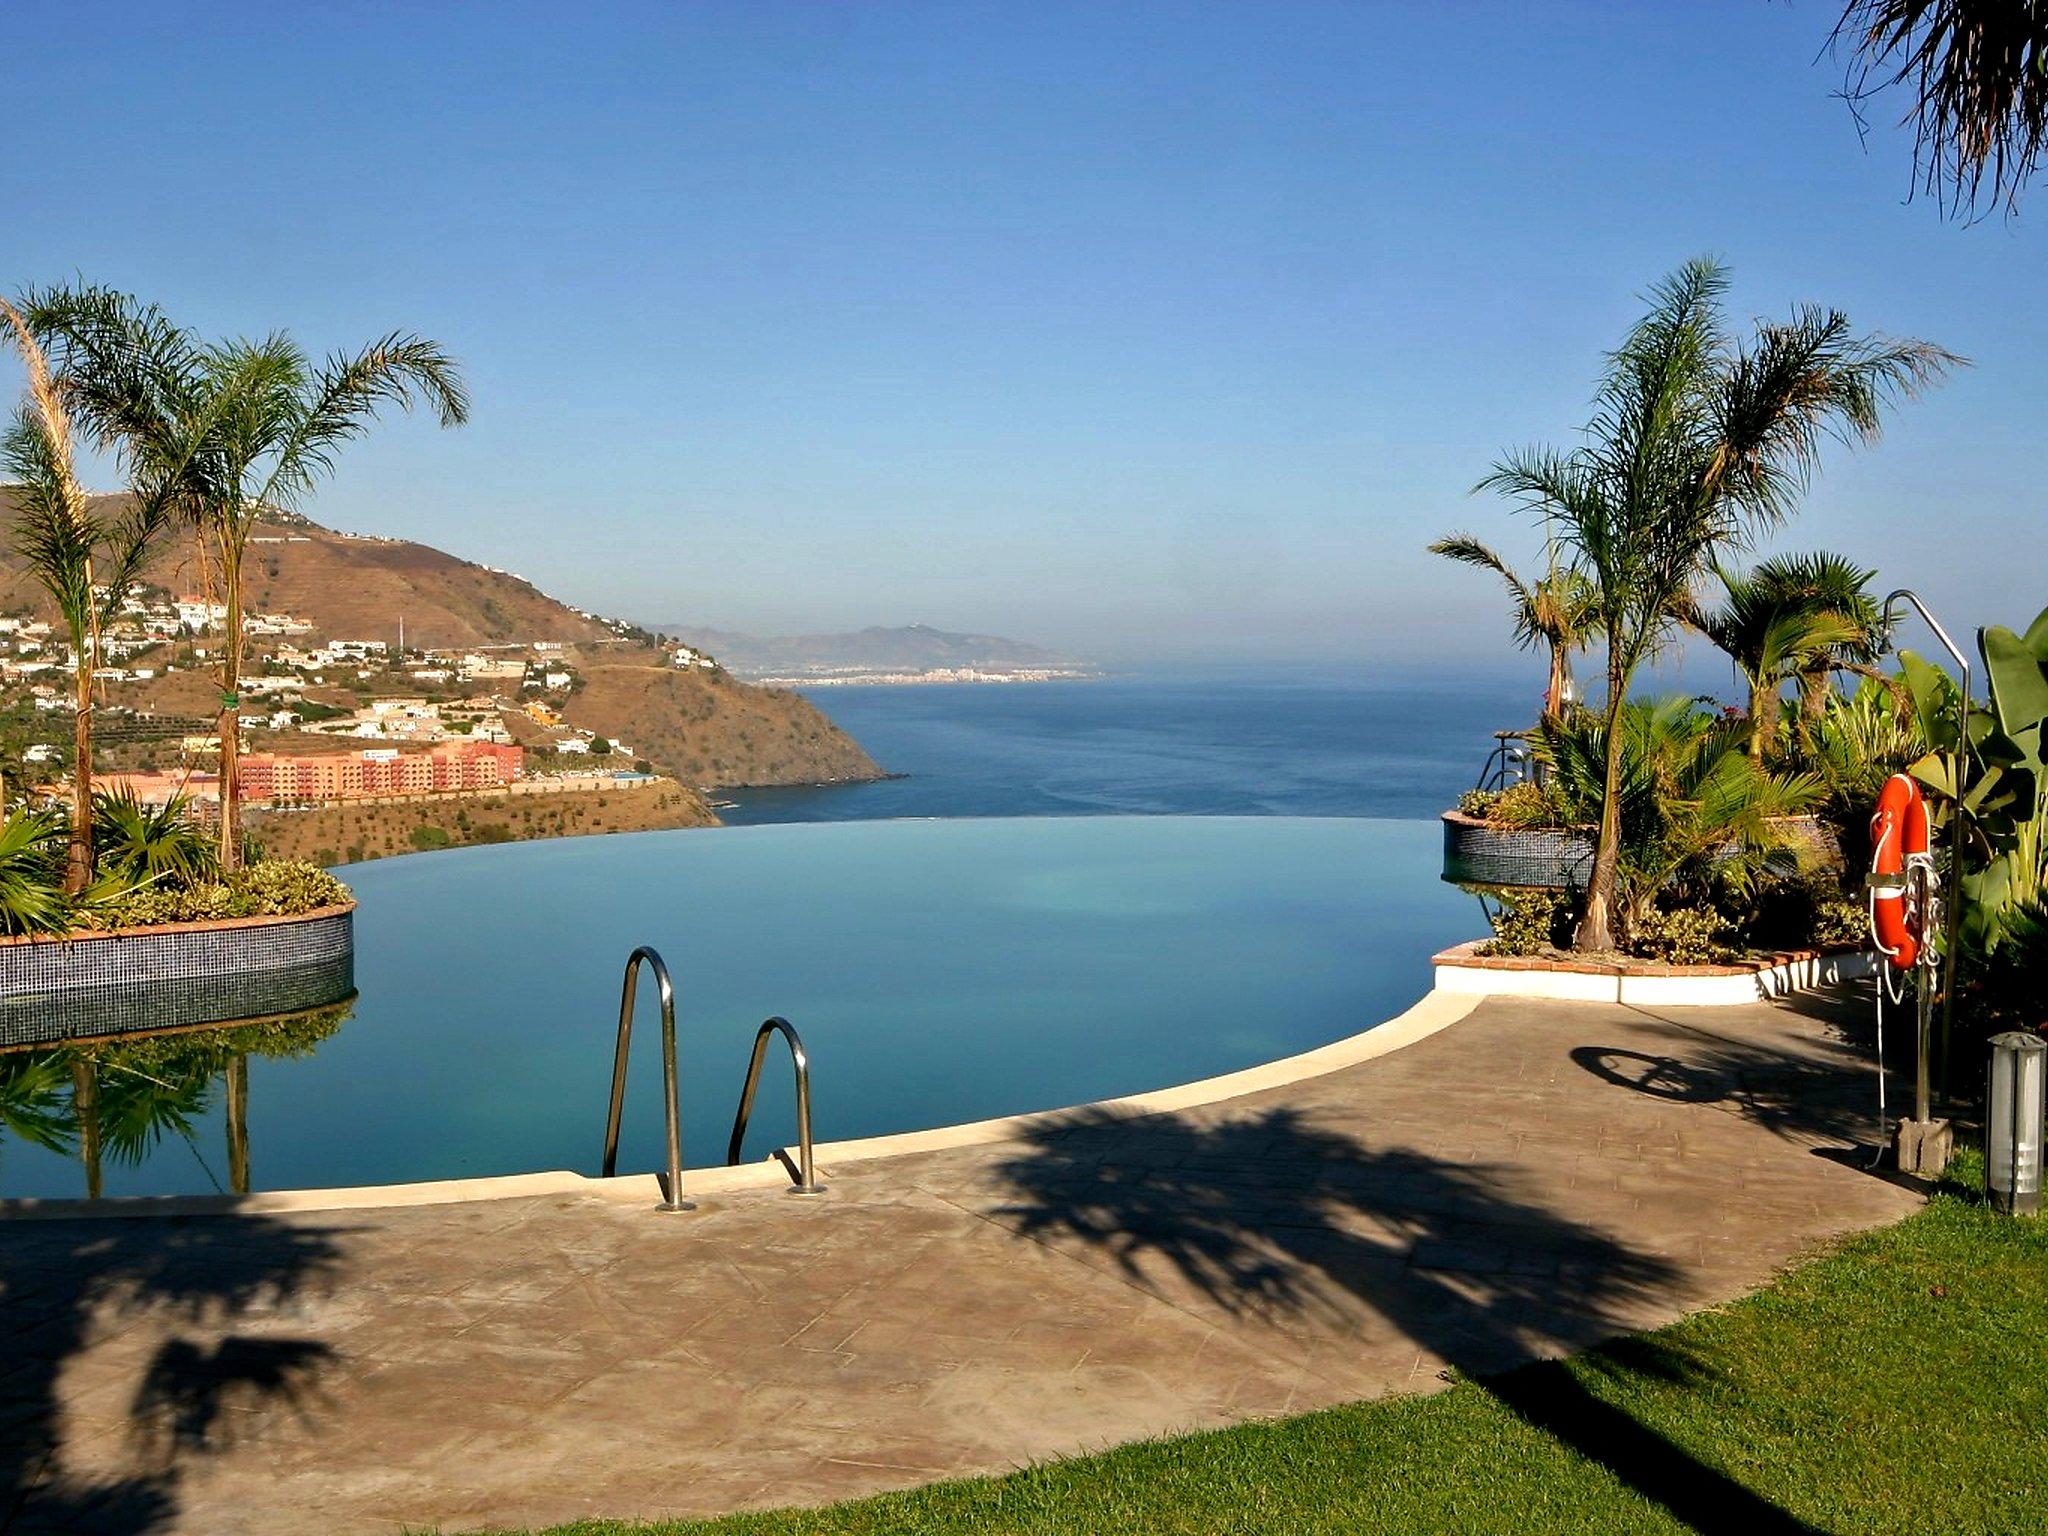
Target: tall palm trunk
78,606
1560,681
238,1124
1764,706
231,709
1596,927
85,1105
78,848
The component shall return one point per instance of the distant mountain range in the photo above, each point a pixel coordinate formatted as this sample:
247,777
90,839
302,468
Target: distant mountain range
908,650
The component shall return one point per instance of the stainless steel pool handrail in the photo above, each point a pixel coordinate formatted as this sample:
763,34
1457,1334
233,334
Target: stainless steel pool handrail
1510,756
673,1192
806,1168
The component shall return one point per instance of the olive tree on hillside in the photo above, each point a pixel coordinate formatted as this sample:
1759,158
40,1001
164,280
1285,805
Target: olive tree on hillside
1698,441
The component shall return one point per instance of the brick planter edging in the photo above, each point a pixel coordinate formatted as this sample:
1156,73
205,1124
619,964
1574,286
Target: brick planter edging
1460,969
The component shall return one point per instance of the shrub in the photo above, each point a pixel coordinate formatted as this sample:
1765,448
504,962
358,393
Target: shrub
1528,921
430,837
282,887
1798,914
1686,935
274,888
1840,922
1527,804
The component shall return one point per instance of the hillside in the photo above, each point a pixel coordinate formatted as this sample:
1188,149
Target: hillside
712,731
349,587
351,833
908,648
702,726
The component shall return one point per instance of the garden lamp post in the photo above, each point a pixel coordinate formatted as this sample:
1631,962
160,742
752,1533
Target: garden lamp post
2013,1126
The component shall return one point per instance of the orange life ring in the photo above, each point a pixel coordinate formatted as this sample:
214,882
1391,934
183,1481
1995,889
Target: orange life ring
1898,835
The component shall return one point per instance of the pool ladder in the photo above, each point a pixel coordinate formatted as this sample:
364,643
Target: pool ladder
805,1170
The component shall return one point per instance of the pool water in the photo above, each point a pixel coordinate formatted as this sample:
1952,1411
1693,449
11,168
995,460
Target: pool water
938,971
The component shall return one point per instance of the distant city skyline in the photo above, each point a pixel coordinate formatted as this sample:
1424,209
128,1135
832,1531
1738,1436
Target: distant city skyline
1132,332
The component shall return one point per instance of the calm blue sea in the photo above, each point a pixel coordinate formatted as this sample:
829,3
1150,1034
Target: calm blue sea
1394,745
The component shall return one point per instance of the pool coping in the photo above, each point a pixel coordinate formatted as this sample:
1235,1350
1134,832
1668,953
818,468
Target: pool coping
1435,1011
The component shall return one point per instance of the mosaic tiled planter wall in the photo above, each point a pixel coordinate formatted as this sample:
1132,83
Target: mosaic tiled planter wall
1478,853
180,974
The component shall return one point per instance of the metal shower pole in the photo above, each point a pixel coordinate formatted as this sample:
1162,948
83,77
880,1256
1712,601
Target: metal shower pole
1922,1108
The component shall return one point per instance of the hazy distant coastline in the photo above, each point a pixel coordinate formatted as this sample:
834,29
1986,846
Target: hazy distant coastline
909,654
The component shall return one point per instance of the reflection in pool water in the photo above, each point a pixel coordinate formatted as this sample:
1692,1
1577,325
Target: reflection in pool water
121,1101
939,971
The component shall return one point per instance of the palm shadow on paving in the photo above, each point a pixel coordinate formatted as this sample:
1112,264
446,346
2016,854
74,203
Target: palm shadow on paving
1826,1098
68,1286
1271,1217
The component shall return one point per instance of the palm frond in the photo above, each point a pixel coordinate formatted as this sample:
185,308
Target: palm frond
1979,92
345,395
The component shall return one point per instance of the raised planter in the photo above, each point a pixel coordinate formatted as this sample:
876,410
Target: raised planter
1482,853
1463,971
126,980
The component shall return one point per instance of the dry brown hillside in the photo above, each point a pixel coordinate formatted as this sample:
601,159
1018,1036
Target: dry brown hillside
349,587
711,731
701,726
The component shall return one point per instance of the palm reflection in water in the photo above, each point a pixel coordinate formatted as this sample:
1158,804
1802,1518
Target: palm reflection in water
118,1100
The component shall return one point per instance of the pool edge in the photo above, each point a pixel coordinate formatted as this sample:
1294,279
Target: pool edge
1435,1011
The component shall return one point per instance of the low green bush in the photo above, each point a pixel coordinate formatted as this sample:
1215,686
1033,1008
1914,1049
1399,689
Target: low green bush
1530,920
1478,803
274,888
1683,935
1524,805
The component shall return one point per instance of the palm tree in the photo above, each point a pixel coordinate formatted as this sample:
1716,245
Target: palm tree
1829,583
1779,629
1556,611
1975,70
280,421
1695,806
1697,442
88,563
248,428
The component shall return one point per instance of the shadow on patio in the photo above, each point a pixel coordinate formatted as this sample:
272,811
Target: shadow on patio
68,1286
1269,1216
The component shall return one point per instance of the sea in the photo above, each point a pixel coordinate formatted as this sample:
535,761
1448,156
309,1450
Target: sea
1391,743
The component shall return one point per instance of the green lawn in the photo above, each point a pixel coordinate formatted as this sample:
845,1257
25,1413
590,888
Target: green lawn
1898,1383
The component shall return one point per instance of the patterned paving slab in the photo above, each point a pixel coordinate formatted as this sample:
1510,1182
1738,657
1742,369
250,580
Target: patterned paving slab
1532,1179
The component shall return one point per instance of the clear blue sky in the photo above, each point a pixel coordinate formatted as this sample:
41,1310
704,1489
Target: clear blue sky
1130,328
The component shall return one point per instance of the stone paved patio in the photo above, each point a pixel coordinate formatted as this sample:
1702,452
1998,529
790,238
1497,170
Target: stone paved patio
1534,1178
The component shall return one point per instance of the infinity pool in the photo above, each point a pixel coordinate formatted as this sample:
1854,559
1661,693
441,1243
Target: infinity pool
939,971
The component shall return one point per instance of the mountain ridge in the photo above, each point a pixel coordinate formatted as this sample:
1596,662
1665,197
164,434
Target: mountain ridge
904,648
